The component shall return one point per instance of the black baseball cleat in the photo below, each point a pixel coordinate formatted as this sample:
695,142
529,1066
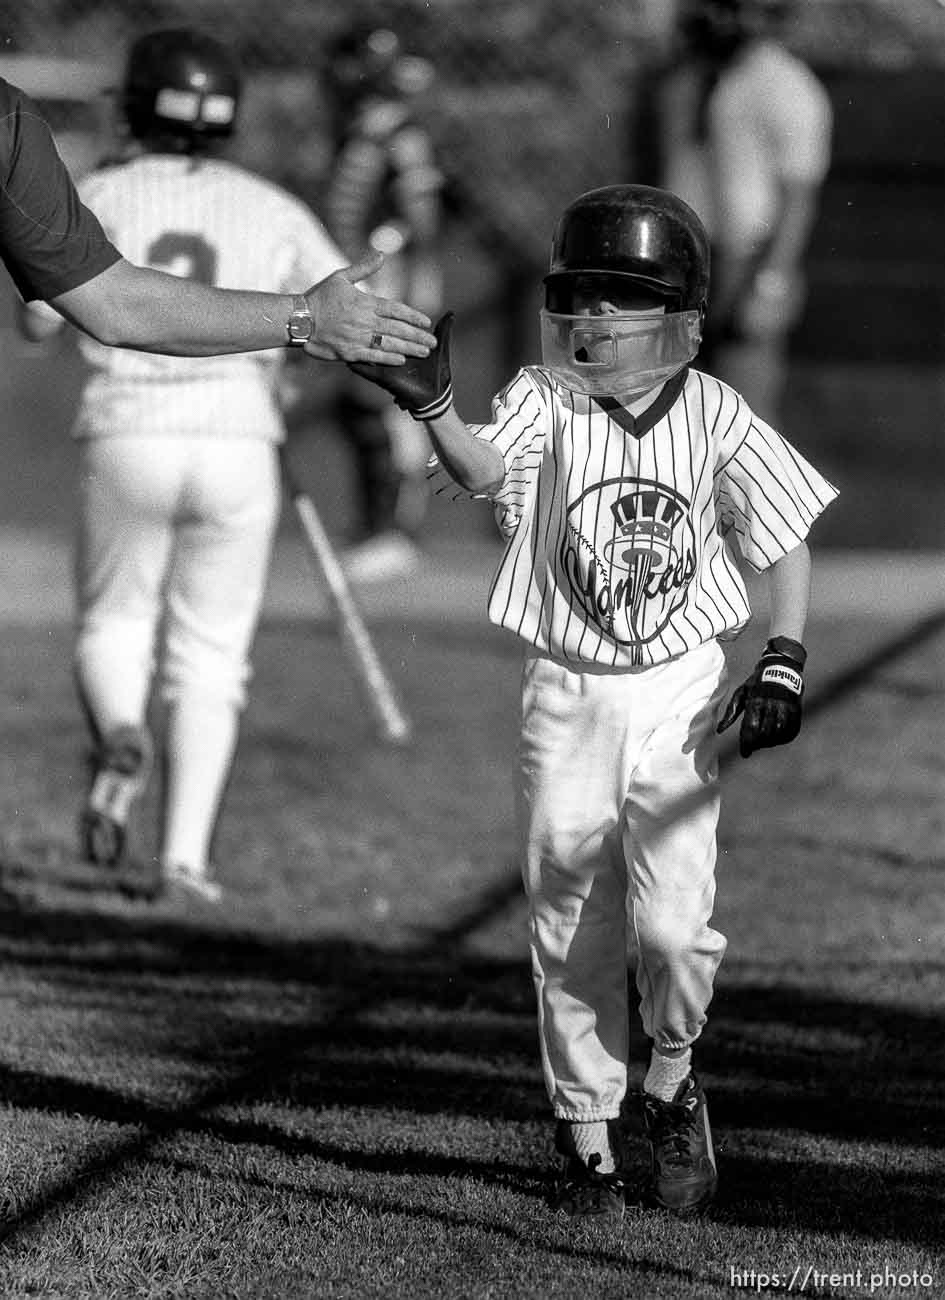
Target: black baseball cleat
683,1175
121,768
580,1190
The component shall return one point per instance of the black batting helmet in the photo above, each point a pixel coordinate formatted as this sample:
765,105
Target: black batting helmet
179,82
638,234
721,27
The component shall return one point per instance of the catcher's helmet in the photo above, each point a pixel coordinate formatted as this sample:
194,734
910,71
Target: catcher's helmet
368,61
181,83
637,233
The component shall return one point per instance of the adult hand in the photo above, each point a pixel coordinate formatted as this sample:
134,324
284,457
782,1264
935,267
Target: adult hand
422,387
353,325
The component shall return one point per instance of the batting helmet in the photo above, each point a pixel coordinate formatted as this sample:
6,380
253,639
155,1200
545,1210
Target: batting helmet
722,27
637,233
180,83
625,238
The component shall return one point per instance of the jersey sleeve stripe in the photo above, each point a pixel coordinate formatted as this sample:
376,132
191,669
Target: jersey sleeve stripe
742,536
798,527
723,465
799,467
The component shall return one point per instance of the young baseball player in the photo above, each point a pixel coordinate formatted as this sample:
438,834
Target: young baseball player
179,467
623,483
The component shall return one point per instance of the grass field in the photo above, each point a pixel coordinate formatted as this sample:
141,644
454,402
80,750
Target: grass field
329,1087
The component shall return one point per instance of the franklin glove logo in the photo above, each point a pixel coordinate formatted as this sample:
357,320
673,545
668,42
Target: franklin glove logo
781,675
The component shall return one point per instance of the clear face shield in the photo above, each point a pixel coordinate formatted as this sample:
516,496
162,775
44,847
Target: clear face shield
618,355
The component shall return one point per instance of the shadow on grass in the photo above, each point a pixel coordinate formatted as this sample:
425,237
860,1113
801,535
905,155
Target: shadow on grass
588,1250
437,1034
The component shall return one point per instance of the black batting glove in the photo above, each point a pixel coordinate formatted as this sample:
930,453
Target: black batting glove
422,386
770,699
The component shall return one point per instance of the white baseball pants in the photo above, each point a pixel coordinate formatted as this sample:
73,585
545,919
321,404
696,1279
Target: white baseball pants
179,530
619,810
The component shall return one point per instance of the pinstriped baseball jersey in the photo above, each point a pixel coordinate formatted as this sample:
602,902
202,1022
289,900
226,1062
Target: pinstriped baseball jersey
621,532
209,220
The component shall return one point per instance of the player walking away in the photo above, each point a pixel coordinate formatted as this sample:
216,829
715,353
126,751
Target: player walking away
384,193
57,252
744,129
179,473
624,482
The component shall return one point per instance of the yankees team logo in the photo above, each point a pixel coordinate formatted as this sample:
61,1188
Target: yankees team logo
629,555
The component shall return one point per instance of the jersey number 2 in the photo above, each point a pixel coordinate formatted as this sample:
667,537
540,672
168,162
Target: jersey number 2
185,255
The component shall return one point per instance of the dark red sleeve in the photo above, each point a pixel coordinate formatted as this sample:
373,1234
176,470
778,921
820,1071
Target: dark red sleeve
49,241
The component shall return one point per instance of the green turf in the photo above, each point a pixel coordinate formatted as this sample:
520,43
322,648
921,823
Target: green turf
330,1086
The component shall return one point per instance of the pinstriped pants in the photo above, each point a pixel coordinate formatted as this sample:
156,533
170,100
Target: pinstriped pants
619,809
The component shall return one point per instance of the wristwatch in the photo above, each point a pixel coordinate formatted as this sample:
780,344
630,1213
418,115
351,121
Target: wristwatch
300,325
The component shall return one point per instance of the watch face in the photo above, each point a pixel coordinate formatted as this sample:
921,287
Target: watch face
300,327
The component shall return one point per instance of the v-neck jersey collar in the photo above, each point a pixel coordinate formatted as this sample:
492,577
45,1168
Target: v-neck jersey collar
639,425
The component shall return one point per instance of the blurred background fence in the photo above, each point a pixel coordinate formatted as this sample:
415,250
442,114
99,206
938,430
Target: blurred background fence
535,101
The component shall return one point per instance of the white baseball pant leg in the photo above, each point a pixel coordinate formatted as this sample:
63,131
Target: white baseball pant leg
128,493
224,538
619,811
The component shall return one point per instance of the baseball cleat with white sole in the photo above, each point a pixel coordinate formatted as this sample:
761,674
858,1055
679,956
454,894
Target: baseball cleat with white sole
683,1176
186,884
122,766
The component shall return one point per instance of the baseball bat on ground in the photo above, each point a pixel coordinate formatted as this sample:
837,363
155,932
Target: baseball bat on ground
392,722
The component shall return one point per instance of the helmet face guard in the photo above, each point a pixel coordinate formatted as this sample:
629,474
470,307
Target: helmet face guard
618,356
633,241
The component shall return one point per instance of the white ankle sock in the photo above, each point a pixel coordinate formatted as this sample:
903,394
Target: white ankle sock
666,1073
591,1138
